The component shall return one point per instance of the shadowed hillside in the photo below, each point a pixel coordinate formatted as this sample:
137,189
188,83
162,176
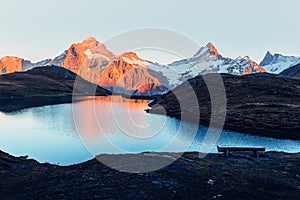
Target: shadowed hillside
258,104
292,71
43,86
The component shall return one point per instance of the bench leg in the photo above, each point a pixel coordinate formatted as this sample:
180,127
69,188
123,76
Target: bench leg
256,155
226,153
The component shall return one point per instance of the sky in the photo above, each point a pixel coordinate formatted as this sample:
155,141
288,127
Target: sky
35,29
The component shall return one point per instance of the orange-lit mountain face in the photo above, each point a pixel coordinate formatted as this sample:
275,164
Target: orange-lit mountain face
213,51
129,72
92,61
253,68
249,66
10,64
87,59
209,52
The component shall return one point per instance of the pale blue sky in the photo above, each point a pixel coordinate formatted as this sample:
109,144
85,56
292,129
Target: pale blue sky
36,29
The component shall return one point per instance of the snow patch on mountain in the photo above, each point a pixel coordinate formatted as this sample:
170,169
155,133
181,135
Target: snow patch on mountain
91,55
134,61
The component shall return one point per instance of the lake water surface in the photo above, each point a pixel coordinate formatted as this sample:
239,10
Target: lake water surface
72,133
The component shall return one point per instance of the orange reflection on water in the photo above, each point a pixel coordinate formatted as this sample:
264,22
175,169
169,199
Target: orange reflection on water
101,116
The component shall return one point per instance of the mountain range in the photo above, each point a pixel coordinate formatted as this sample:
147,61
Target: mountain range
128,73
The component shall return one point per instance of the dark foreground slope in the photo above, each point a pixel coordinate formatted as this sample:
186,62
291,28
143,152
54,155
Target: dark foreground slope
276,176
258,104
292,71
43,86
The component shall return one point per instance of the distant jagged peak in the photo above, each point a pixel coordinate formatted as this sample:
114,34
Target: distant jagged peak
208,51
269,53
269,57
276,63
212,49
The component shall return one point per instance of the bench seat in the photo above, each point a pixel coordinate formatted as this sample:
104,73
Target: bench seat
227,150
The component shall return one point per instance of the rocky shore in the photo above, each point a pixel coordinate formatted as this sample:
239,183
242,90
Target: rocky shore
274,176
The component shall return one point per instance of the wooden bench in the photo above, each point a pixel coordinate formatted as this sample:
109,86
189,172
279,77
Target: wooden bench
255,150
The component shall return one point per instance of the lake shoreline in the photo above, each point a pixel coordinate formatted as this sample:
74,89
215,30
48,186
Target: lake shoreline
15,104
276,175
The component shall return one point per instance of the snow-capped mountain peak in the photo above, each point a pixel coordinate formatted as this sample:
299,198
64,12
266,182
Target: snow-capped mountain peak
276,63
270,53
267,59
93,45
209,52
